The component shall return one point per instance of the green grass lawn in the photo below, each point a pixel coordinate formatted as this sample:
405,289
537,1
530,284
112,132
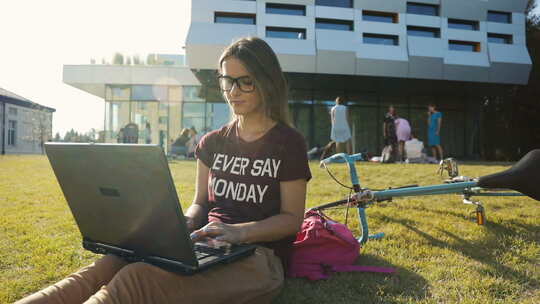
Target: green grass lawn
441,256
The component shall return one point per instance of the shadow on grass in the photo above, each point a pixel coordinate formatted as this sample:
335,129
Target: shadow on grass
485,163
357,287
488,250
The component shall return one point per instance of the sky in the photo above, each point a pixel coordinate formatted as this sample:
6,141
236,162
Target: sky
38,37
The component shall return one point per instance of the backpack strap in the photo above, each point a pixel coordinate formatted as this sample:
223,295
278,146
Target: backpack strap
357,268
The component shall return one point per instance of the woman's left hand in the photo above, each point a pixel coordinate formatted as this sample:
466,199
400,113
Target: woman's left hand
219,231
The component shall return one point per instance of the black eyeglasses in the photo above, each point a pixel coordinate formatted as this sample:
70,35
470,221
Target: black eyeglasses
244,83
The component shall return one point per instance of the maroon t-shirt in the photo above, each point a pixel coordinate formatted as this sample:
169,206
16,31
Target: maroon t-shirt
244,179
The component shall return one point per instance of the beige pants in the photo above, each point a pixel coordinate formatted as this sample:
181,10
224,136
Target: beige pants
255,279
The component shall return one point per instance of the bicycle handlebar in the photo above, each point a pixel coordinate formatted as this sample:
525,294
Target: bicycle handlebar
349,159
342,158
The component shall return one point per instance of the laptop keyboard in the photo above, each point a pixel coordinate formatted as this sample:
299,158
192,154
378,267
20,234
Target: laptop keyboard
202,251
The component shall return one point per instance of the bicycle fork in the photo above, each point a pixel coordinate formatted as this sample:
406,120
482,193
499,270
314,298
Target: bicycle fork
479,213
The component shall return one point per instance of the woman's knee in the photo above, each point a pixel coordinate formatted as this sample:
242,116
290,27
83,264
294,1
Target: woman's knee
130,280
135,269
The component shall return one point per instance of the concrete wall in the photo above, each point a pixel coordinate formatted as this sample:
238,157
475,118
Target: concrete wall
31,126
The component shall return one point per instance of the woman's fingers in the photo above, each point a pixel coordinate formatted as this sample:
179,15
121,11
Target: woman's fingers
217,231
210,230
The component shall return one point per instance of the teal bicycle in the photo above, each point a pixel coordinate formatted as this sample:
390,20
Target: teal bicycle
520,180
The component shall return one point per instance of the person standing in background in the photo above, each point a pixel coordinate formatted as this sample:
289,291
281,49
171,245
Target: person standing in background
148,133
120,136
341,132
434,131
194,138
389,133
403,134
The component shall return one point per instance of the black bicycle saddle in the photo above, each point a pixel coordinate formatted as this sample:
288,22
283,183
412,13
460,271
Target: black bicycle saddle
523,177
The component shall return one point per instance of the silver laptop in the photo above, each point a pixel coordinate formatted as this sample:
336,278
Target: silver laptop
124,202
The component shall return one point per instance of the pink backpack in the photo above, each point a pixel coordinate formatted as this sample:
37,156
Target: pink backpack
324,246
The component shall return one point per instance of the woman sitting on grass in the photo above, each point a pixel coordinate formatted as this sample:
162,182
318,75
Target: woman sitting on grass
274,160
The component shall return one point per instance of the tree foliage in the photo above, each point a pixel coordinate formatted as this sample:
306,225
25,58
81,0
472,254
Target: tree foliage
510,124
118,58
74,136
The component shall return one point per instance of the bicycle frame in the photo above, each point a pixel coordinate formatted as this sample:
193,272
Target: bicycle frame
364,197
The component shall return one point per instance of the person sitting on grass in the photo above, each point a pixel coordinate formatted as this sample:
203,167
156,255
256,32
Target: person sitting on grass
274,160
413,149
179,146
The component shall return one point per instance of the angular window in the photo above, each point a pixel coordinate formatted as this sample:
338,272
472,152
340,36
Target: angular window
12,132
193,115
500,17
286,32
335,3
285,9
334,24
422,9
235,18
148,92
381,39
420,31
500,38
465,46
380,16
141,106
463,24
163,106
193,93
118,93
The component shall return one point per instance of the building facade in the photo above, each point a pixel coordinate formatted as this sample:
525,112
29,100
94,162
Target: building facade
24,125
454,53
458,54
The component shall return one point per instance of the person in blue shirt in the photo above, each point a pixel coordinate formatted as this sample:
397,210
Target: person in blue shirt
434,131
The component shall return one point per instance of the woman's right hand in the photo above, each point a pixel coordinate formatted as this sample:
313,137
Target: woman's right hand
190,223
220,232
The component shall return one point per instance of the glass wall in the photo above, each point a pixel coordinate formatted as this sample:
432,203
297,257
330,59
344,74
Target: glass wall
169,109
310,113
204,109
146,106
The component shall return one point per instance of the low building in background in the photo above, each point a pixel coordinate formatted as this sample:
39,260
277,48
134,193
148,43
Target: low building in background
161,97
24,124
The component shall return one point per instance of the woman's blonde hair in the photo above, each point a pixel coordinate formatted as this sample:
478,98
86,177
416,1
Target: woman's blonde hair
262,63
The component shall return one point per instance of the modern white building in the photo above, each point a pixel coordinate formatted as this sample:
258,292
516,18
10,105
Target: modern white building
24,125
455,53
162,94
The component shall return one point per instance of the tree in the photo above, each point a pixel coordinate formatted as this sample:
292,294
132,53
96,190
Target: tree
57,137
118,58
38,125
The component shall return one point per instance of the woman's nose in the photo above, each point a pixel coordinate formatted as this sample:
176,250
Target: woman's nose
235,89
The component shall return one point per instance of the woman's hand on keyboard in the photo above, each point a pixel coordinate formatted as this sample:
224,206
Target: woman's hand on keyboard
220,232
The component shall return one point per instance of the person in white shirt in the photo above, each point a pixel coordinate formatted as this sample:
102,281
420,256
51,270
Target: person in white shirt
413,149
341,133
